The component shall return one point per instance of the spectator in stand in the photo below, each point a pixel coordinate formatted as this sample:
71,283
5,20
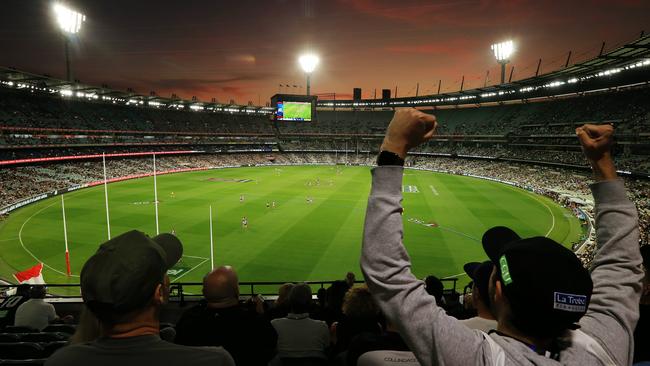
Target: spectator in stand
125,284
221,320
435,288
388,340
9,306
360,315
35,312
480,274
299,336
642,331
350,279
280,307
334,302
540,293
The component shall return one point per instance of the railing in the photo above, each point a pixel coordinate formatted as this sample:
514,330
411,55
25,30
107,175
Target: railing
182,291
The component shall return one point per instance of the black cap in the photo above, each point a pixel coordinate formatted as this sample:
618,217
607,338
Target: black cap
545,283
480,273
125,271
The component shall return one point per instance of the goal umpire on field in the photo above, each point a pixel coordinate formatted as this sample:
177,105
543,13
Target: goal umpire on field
550,310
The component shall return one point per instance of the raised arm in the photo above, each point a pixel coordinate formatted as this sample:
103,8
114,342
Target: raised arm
434,337
616,269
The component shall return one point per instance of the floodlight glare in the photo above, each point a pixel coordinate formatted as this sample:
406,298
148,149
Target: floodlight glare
308,62
69,20
503,50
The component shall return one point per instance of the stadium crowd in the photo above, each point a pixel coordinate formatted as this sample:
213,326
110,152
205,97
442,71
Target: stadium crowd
507,131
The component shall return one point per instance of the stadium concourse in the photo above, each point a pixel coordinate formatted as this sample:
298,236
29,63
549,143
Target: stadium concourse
53,138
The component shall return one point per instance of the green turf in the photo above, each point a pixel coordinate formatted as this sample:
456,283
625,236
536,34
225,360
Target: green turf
293,242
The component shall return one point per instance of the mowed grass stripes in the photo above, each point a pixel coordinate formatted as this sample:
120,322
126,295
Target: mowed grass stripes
444,218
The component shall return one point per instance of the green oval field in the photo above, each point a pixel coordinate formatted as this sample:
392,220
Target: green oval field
444,218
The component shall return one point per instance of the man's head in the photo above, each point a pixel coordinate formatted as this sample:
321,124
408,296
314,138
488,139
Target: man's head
358,303
434,287
350,278
23,290
126,275
300,298
480,274
283,293
37,292
537,285
221,287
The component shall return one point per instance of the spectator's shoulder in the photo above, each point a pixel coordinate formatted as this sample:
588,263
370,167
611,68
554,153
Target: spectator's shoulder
207,355
69,355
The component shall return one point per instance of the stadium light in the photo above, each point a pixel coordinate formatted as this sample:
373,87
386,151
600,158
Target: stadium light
68,19
502,52
308,62
69,22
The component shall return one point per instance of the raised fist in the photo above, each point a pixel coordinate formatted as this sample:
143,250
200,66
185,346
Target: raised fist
596,140
408,128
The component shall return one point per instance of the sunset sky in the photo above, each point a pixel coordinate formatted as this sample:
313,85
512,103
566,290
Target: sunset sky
243,50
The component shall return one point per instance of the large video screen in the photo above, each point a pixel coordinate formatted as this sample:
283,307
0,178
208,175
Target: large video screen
293,111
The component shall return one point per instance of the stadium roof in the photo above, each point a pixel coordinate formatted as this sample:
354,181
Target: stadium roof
632,58
10,77
626,65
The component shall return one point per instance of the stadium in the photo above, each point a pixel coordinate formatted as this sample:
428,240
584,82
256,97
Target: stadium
279,190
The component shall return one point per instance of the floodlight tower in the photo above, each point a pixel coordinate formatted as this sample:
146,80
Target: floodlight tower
308,62
502,52
69,21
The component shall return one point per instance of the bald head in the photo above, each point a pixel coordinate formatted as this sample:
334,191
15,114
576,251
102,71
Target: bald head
221,287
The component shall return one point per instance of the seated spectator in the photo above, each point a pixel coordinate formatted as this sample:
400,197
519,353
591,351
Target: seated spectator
434,287
280,307
220,320
125,284
298,335
9,306
480,274
35,312
334,301
350,279
388,340
360,315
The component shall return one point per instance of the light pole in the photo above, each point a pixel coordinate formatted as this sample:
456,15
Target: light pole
308,62
69,22
502,52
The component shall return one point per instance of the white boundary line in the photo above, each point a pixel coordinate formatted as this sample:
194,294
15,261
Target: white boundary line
20,238
533,196
456,275
552,216
193,268
195,257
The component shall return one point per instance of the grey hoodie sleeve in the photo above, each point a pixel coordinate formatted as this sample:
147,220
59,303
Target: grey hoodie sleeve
434,337
616,272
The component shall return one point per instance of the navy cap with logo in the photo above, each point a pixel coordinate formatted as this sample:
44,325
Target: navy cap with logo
480,275
125,271
545,283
